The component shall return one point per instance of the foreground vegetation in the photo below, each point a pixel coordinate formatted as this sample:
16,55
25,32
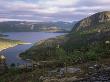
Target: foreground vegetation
63,52
83,53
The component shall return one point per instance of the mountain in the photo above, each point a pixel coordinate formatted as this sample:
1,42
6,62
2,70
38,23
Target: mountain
95,22
77,40
87,53
23,26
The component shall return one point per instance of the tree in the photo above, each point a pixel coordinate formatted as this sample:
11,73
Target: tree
13,65
62,56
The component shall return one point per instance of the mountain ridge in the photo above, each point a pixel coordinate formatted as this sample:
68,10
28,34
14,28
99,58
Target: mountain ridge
23,26
90,22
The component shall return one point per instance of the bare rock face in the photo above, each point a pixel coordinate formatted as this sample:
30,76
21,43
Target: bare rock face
93,20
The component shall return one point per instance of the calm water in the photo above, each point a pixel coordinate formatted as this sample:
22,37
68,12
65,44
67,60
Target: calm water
12,54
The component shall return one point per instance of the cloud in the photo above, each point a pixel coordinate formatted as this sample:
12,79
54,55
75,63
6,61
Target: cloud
50,10
103,1
57,2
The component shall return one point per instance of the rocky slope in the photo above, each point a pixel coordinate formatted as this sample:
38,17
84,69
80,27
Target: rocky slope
96,21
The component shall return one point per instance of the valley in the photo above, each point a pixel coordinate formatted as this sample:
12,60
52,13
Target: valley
82,55
80,50
54,40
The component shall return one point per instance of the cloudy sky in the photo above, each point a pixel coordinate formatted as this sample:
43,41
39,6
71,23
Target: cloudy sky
50,10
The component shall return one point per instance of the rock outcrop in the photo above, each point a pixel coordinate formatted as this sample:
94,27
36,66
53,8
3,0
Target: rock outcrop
93,21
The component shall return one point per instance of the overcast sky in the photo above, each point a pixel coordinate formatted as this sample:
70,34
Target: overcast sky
50,10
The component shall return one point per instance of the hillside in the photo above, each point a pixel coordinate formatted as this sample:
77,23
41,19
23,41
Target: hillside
83,55
83,34
23,26
78,47
99,21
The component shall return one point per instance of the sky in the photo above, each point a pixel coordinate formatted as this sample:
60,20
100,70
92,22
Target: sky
50,10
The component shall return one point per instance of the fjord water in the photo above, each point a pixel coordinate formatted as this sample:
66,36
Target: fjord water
12,54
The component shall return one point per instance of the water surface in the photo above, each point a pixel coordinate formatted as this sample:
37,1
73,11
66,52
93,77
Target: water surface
12,54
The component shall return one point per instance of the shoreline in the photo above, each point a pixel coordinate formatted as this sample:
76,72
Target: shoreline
58,39
13,45
18,55
8,47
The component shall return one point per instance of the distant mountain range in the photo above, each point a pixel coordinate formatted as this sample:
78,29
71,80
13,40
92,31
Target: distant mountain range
86,46
20,26
97,22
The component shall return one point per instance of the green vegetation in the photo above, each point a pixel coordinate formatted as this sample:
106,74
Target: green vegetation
87,45
18,75
79,47
61,52
85,48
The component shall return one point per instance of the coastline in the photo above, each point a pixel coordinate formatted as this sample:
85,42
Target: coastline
50,42
8,47
13,45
